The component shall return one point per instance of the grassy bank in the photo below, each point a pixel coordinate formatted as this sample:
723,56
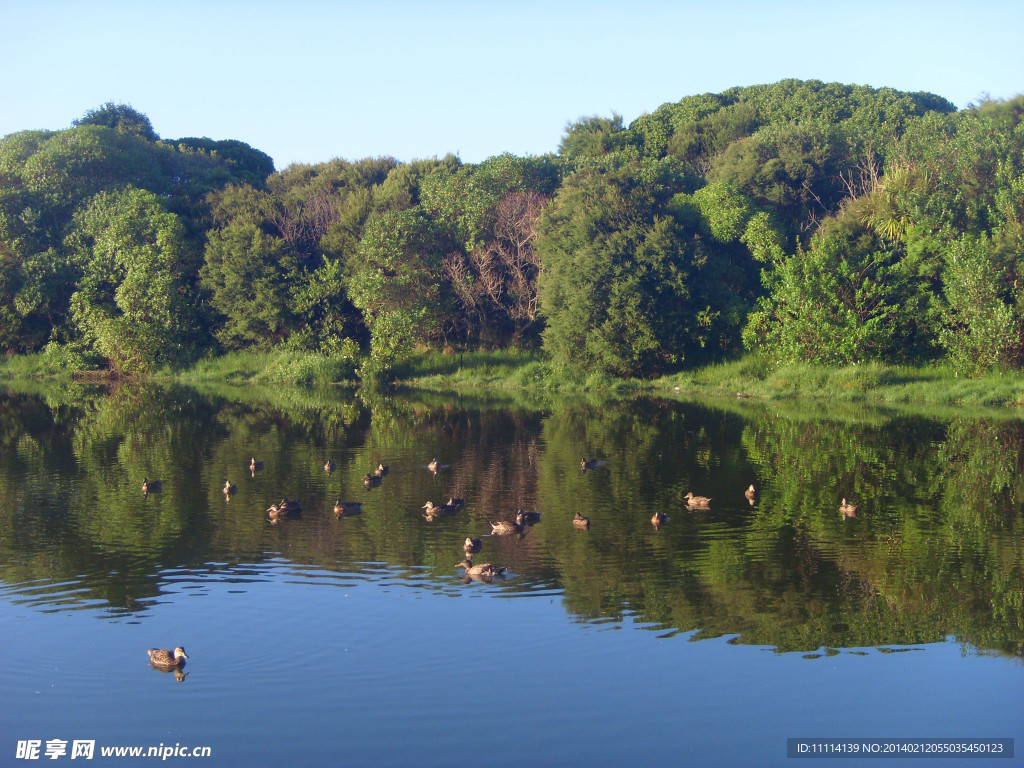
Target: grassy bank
749,377
871,382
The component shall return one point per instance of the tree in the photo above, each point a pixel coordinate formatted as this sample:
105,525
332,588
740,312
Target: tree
122,118
844,300
984,323
330,324
496,283
395,280
133,305
616,287
249,276
592,136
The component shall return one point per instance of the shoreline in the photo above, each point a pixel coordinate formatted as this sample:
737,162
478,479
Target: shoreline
746,378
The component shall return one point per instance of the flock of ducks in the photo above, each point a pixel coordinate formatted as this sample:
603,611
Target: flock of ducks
432,511
174,660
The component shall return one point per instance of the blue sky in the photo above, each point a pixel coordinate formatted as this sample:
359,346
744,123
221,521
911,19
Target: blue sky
308,81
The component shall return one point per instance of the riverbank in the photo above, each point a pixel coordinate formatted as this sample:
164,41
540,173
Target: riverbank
749,377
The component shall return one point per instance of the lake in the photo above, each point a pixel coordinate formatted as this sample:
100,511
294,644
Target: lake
356,640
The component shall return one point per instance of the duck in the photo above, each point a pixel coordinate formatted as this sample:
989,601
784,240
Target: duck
150,486
434,465
436,510
161,657
472,545
330,466
586,464
456,503
371,481
381,470
284,509
697,502
525,517
484,569
659,519
750,493
505,528
580,522
847,510
348,507
229,488
255,466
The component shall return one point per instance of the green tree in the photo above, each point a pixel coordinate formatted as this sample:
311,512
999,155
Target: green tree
133,305
592,136
616,286
984,326
249,276
330,324
395,279
839,302
120,117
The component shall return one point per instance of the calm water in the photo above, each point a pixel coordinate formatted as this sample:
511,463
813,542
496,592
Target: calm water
356,641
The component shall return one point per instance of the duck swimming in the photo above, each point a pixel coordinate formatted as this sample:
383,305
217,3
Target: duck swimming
229,488
581,523
472,545
348,508
525,517
330,466
285,509
586,464
150,486
659,519
434,511
847,510
161,657
697,502
505,528
484,569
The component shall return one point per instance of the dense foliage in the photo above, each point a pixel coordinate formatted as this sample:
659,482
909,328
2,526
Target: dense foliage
802,221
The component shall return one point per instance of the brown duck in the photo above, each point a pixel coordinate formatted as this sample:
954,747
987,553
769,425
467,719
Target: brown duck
286,508
484,569
505,528
348,508
697,502
161,657
847,510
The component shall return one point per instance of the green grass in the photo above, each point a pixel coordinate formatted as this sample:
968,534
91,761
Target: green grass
506,370
502,370
35,366
870,382
274,367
